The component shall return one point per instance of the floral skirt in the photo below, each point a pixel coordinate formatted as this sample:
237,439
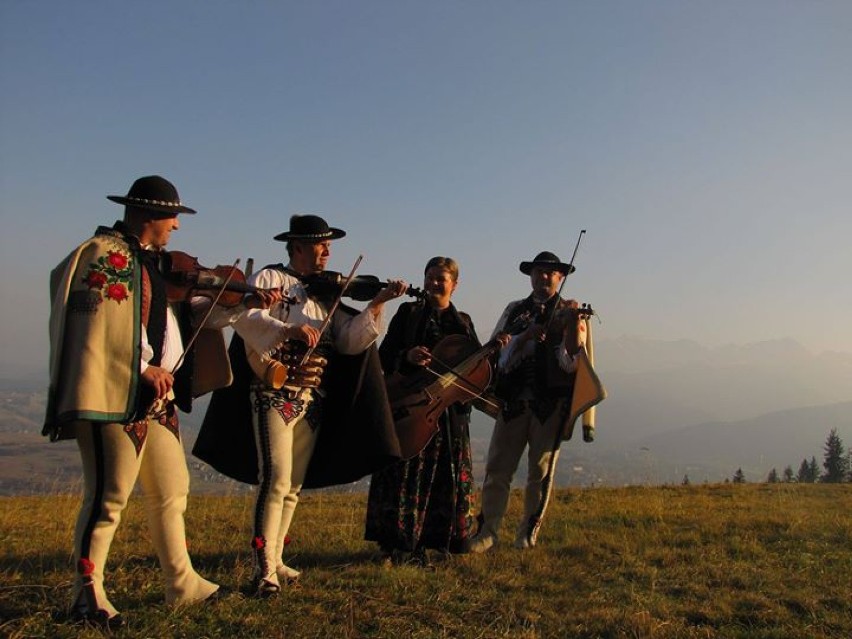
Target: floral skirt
426,501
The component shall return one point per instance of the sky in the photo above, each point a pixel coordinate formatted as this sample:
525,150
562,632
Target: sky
705,146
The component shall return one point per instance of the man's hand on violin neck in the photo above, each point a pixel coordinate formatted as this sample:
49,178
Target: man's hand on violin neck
394,289
159,379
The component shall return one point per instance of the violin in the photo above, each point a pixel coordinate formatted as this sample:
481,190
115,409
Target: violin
186,278
361,288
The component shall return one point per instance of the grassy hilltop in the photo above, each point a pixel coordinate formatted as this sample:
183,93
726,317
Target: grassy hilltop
753,560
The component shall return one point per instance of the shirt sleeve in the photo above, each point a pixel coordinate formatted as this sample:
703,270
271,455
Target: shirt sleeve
147,352
356,333
259,328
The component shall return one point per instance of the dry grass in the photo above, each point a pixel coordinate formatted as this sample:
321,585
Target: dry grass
688,561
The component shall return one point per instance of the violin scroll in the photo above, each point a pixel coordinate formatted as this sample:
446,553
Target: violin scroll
585,310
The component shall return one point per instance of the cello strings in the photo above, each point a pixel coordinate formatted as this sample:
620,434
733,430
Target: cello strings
448,380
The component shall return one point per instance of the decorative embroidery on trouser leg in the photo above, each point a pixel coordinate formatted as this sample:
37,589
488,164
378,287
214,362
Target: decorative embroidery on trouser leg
110,468
163,412
263,401
85,567
289,409
137,431
285,441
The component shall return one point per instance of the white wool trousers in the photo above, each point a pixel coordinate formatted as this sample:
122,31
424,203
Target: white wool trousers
508,441
111,466
285,442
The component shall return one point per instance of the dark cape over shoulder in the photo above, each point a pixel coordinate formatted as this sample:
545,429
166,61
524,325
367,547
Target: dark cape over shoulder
356,437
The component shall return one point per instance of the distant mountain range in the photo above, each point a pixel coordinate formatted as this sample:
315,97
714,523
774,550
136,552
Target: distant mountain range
658,386
675,409
762,405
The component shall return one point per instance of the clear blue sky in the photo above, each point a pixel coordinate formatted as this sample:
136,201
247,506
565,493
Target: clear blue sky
705,146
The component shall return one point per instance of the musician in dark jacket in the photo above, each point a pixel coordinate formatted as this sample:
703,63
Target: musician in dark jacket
293,400
535,381
426,502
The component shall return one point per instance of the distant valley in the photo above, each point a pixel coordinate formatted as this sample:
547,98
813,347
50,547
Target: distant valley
674,409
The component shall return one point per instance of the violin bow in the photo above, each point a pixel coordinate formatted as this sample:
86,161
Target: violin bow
559,292
333,309
206,317
477,393
522,318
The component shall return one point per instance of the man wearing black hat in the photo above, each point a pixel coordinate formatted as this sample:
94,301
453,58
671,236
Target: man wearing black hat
115,379
535,379
293,405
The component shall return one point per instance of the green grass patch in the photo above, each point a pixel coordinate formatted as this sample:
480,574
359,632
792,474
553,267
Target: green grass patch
756,561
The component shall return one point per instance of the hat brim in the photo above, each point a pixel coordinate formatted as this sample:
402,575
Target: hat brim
565,269
331,234
162,208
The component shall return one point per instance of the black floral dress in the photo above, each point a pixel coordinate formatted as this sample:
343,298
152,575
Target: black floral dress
426,501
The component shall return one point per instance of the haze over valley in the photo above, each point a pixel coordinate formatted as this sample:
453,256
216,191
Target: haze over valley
675,409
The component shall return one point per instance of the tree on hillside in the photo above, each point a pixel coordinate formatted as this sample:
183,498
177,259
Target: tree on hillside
789,477
773,477
739,476
808,471
835,461
685,481
804,472
814,470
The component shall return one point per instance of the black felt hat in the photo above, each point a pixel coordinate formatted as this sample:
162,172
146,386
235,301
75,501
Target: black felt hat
311,228
547,260
154,193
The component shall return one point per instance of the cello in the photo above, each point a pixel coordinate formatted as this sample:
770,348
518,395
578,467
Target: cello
460,372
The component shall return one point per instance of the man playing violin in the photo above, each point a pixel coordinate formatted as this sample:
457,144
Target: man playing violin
535,381
292,407
117,344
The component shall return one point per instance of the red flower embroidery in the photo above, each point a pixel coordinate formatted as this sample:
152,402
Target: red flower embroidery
287,540
85,567
117,260
258,543
117,292
96,279
111,275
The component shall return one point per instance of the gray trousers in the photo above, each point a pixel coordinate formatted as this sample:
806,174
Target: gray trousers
508,441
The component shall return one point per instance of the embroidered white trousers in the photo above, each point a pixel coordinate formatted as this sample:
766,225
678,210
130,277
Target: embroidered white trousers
285,442
111,467
508,441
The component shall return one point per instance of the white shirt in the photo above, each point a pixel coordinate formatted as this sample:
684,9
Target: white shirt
516,351
261,329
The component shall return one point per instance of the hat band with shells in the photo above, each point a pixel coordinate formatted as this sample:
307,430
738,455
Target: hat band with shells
146,202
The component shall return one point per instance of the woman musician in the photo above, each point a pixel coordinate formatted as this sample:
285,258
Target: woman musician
425,502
